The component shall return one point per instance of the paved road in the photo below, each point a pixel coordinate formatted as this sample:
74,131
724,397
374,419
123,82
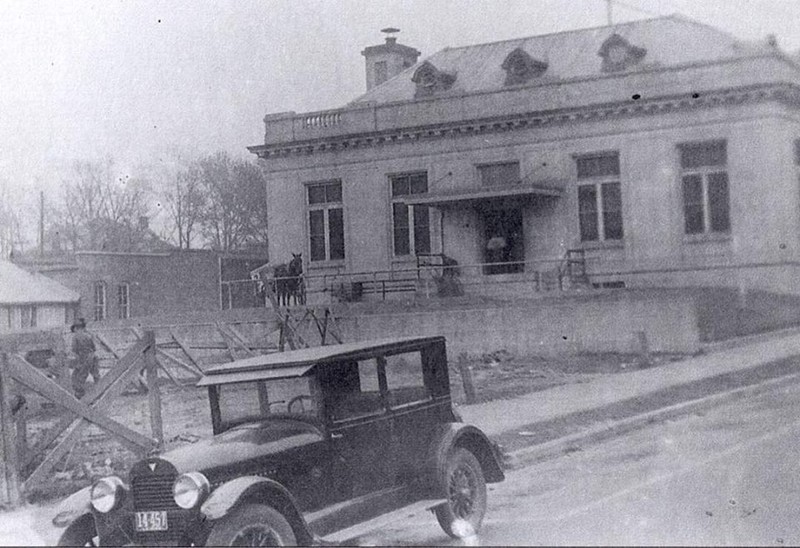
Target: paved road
726,475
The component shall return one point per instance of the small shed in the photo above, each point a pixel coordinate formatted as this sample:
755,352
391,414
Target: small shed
30,300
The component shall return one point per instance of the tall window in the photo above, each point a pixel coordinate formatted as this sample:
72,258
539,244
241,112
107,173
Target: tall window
99,301
123,301
599,198
706,202
506,173
411,224
325,221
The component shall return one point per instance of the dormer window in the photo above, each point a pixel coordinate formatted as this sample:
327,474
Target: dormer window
619,54
521,67
430,80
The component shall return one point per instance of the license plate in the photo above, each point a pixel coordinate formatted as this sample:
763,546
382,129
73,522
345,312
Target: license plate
151,521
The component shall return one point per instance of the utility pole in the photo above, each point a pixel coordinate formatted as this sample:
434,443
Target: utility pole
41,223
609,12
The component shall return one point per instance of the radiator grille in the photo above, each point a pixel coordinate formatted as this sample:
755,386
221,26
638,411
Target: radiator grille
153,492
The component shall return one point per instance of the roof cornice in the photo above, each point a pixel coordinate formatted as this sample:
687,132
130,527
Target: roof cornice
783,92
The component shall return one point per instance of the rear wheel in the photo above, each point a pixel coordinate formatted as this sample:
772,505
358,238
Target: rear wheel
252,525
465,488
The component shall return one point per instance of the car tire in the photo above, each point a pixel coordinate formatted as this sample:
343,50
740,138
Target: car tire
80,533
465,488
252,525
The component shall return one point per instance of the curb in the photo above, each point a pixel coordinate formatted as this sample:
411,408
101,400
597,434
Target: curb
526,456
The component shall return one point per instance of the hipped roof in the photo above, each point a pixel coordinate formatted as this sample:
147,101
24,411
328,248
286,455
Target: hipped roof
670,41
18,286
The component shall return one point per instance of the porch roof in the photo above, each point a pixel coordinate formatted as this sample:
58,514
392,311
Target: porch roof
466,196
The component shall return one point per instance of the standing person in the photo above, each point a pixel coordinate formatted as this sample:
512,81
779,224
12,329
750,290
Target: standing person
86,360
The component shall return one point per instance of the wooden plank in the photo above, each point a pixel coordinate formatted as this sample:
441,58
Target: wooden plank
9,478
77,427
154,392
21,371
227,342
92,395
240,339
186,350
102,340
178,362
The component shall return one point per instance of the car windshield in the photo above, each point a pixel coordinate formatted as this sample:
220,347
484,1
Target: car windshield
257,400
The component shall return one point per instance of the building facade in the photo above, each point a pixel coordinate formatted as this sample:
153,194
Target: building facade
665,151
119,286
32,301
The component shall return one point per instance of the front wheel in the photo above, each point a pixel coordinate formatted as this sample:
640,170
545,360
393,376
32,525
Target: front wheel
252,525
465,488
81,533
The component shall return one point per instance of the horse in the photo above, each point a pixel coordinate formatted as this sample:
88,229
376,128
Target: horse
288,281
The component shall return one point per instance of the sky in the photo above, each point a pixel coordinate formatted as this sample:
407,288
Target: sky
148,81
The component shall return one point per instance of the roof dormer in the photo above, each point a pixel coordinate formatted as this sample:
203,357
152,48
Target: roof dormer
430,80
619,54
521,67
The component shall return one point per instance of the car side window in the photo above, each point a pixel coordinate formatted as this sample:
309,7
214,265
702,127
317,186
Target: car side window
405,379
354,390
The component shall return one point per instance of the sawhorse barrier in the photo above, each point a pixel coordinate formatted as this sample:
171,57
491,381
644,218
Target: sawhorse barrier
92,408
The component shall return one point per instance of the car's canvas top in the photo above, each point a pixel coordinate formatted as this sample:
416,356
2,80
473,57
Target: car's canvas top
295,363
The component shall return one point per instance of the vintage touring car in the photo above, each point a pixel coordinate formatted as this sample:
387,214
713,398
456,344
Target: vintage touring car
307,443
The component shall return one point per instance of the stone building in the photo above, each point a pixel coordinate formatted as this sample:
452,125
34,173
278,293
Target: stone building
664,151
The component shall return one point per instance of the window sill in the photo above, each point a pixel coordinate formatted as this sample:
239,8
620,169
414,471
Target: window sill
708,237
603,244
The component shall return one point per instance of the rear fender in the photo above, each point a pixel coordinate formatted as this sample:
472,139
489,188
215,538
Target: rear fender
459,435
254,489
73,507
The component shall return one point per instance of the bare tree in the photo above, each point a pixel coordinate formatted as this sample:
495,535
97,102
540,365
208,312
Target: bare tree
11,231
234,213
99,210
185,203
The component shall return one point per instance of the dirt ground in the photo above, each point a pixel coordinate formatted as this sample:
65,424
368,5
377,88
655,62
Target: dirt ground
186,415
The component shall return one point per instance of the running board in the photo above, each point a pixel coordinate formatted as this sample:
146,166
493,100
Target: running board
350,535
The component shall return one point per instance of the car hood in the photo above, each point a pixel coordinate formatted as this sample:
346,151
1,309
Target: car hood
243,443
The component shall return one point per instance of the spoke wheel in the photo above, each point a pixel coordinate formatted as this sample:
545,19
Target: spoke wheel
257,535
465,488
252,525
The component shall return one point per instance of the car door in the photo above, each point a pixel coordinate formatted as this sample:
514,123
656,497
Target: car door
360,430
414,412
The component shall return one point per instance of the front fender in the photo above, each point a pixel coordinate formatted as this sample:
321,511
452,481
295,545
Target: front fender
455,434
73,507
255,489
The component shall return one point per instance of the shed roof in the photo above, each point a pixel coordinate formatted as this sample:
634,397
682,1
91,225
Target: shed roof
18,286
669,41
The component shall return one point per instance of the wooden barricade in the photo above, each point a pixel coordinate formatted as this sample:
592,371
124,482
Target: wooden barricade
92,408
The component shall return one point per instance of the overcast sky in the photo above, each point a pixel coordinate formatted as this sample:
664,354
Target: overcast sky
134,79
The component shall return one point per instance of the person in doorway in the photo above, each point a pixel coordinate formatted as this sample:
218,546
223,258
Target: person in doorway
85,363
495,250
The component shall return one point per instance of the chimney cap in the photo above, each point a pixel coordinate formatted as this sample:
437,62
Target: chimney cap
390,30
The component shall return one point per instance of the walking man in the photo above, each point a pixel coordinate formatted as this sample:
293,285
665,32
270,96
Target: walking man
86,361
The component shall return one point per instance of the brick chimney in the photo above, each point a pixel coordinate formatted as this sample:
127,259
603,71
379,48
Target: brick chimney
387,60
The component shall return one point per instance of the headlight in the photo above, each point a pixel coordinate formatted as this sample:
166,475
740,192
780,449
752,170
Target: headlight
190,490
107,493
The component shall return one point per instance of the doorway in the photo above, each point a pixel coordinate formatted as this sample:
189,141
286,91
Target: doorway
504,244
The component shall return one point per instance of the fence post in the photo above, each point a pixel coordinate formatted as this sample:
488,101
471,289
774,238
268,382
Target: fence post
9,478
154,391
466,379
